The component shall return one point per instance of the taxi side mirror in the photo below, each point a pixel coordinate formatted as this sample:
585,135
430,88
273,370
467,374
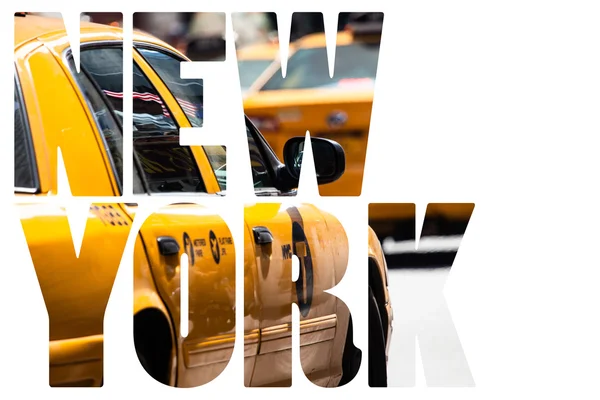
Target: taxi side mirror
329,156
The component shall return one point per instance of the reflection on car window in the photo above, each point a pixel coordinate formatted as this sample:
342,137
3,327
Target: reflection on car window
298,158
150,113
307,68
260,173
105,66
189,94
167,166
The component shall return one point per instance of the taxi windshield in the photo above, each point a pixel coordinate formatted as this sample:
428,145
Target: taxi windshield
250,70
307,68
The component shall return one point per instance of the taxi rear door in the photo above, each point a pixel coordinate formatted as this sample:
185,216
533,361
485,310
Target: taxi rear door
278,232
204,236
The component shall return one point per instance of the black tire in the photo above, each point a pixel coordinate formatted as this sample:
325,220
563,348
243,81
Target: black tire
377,357
352,357
145,363
152,340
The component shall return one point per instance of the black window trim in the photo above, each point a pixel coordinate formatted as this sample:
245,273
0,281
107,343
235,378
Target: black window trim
262,147
28,141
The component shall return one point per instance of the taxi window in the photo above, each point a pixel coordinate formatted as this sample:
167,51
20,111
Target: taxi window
25,178
260,172
167,166
189,94
307,68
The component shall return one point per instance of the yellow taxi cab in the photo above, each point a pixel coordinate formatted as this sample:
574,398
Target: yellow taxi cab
82,113
337,108
254,59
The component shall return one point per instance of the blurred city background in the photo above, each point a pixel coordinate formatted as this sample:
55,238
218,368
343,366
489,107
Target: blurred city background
416,278
201,35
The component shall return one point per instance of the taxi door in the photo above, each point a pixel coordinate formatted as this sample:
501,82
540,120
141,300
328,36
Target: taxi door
276,233
194,230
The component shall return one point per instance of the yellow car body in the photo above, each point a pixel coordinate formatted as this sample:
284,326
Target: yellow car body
281,113
52,109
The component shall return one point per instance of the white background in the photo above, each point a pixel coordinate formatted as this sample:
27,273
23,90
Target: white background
488,102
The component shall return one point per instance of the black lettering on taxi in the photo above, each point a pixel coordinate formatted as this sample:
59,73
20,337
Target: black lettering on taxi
188,247
214,247
224,241
286,251
198,243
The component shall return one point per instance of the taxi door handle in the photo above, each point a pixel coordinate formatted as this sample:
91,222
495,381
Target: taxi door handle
168,246
262,235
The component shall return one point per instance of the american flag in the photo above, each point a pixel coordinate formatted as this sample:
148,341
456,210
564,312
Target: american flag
187,107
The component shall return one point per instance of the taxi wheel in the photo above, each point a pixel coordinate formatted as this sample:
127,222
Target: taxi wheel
152,340
377,356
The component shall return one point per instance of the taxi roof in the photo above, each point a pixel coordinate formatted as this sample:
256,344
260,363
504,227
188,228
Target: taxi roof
32,27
